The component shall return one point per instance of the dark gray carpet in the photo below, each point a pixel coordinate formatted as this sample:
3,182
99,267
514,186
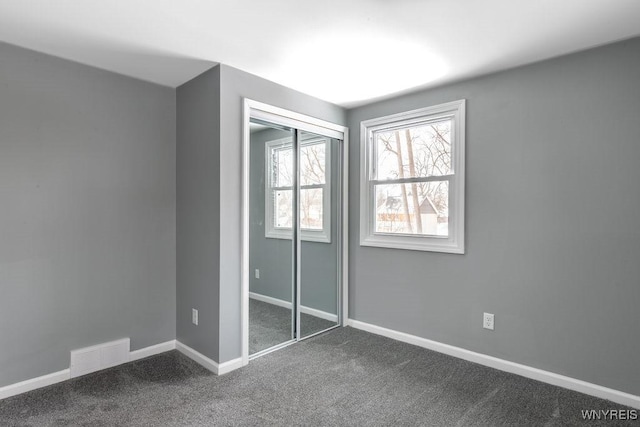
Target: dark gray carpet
344,377
270,325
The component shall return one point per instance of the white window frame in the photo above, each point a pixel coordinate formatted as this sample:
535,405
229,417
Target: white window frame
273,232
454,242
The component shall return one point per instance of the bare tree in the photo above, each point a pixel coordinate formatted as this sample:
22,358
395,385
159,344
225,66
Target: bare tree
398,152
414,187
428,153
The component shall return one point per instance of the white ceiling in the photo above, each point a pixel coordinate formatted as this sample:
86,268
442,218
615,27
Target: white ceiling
347,52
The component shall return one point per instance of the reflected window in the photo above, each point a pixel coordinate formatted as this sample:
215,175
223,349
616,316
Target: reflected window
315,188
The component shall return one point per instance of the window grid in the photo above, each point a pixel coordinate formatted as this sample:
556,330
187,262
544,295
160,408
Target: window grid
272,229
397,218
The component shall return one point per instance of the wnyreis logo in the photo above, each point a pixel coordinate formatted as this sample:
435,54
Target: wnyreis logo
609,414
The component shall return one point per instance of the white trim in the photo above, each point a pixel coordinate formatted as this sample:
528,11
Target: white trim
204,361
34,383
197,357
292,119
345,229
454,243
319,313
286,304
297,252
505,365
152,350
65,374
244,262
230,365
270,300
310,124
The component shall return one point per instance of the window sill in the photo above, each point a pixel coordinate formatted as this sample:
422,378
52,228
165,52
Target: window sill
307,236
427,244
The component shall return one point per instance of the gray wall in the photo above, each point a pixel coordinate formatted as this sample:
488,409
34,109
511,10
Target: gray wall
87,225
235,85
319,260
552,223
198,212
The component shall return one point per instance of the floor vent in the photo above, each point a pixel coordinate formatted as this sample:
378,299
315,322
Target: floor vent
98,357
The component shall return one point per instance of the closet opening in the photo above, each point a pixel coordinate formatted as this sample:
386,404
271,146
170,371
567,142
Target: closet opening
294,282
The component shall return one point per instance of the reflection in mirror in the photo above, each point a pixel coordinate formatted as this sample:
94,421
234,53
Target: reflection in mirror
271,283
319,223
293,283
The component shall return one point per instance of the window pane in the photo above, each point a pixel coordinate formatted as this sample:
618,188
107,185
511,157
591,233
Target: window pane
283,212
418,151
311,209
282,161
420,208
311,213
312,164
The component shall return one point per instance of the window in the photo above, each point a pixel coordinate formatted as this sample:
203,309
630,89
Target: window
315,189
412,182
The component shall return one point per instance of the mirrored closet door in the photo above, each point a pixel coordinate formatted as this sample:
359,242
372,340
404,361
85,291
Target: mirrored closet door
319,209
294,231
271,247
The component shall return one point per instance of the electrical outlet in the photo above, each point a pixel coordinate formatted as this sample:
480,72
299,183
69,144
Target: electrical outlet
194,316
257,273
487,321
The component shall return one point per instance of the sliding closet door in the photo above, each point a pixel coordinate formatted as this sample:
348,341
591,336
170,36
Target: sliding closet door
272,220
294,231
319,225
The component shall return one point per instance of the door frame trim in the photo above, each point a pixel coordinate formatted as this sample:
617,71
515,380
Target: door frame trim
256,109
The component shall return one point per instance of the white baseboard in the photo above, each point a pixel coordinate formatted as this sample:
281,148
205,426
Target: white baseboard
34,383
504,365
152,350
318,313
231,365
65,374
270,300
286,304
212,365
